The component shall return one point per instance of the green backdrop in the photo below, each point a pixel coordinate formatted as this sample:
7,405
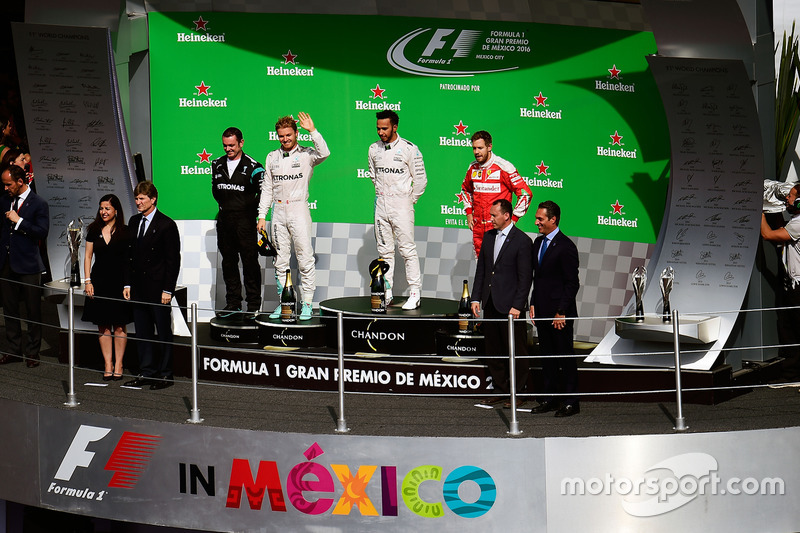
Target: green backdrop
597,126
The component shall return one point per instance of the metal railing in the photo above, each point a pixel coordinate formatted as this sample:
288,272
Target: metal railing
341,423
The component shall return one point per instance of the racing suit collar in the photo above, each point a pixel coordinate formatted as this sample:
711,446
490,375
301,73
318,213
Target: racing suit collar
390,145
489,162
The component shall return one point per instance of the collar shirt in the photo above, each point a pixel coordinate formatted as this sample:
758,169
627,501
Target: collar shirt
397,169
288,173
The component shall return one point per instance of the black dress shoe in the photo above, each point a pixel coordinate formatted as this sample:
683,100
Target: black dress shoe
544,407
32,361
137,382
162,384
568,410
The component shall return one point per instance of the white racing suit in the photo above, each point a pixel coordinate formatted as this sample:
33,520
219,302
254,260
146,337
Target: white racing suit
398,174
285,189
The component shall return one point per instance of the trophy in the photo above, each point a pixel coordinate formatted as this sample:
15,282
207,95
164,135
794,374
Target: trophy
667,277
639,281
74,237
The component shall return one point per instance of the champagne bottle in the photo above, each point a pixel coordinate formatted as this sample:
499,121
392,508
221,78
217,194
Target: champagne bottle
288,301
378,292
464,310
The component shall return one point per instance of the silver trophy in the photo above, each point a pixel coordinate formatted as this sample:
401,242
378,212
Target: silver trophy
74,237
639,281
667,277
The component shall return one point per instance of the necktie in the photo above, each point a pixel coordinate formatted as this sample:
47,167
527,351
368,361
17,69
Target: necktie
16,204
542,249
141,227
498,243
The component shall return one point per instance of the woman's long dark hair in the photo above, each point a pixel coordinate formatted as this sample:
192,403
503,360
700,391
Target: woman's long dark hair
119,222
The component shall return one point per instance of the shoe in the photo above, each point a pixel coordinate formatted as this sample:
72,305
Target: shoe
228,310
162,384
568,410
413,301
507,403
276,313
108,377
492,401
32,361
4,360
387,295
306,311
544,407
138,382
116,377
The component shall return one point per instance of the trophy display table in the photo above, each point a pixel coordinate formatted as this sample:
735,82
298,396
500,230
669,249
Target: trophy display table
395,332
692,329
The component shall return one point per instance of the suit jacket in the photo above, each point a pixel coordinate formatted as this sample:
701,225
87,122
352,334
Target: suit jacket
507,280
555,280
156,260
23,243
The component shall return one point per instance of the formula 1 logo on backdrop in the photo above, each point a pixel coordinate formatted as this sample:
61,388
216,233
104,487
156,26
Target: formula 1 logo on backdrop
456,53
128,461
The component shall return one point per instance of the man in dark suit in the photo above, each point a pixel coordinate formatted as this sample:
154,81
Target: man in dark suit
26,222
150,282
555,286
502,283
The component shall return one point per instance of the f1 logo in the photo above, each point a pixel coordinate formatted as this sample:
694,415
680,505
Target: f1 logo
127,461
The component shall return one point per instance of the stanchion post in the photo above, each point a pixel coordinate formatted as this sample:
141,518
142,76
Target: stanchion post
195,414
680,422
341,423
72,400
513,427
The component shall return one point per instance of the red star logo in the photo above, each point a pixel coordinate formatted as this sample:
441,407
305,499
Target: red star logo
616,138
289,57
204,156
542,168
377,92
202,88
614,72
200,24
461,128
461,197
540,99
617,208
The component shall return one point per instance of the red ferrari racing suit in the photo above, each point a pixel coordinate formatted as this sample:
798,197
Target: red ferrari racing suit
494,180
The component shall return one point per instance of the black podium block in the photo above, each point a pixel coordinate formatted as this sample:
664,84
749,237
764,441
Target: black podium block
455,346
301,334
395,332
234,329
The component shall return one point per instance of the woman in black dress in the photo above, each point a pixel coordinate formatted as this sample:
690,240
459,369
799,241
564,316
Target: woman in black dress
109,240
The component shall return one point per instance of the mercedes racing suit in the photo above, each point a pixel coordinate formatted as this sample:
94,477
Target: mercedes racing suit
237,196
285,189
494,180
398,174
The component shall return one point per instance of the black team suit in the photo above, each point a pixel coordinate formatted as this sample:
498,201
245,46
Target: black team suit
238,196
